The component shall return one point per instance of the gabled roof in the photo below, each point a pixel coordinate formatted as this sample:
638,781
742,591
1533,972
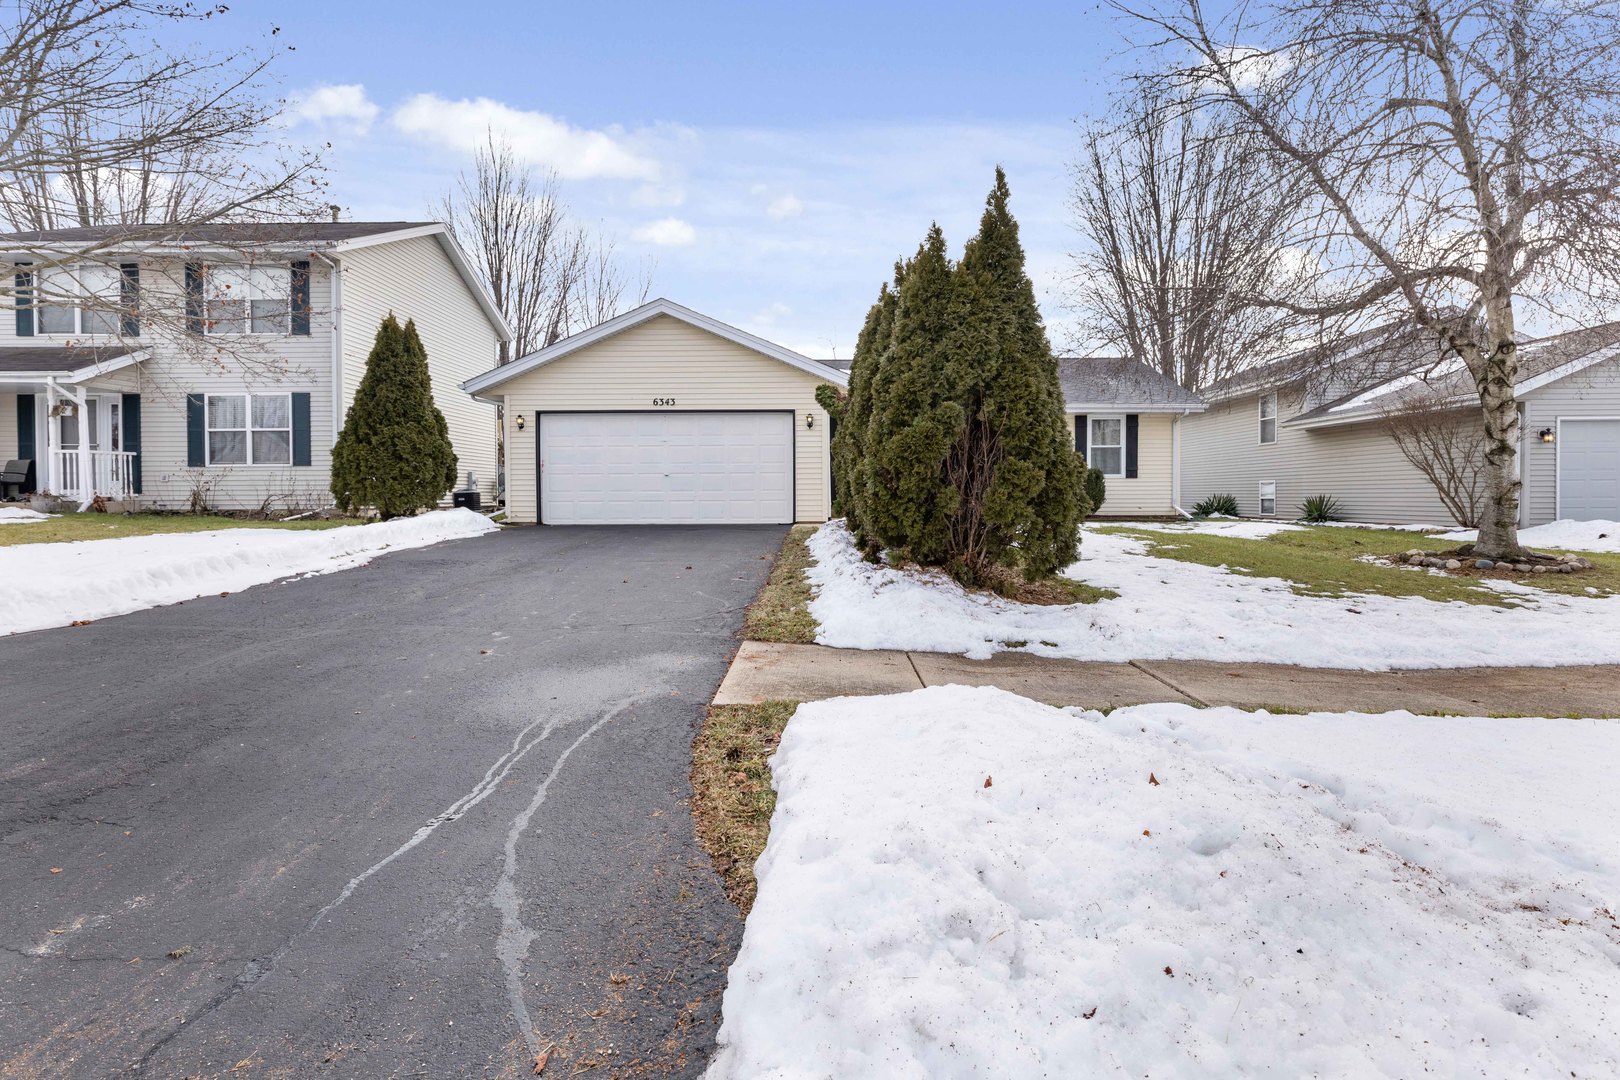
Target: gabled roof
1331,370
1542,361
1119,382
68,363
480,384
335,237
226,233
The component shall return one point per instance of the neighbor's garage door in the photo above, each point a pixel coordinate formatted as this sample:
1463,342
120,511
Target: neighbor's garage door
666,468
1589,469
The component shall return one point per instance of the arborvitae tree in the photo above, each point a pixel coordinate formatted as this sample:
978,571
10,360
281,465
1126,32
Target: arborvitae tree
848,446
1021,484
394,453
914,421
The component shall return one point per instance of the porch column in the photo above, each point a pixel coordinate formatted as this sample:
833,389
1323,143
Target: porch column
45,467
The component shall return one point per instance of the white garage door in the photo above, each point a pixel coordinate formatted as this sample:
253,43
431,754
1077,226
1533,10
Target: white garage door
666,468
1589,469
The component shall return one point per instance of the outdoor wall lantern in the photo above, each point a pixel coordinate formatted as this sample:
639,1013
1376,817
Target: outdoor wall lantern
809,420
1545,435
521,422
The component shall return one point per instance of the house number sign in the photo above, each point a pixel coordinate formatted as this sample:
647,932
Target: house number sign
661,402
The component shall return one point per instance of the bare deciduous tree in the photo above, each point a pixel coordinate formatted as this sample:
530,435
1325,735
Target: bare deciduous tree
1441,442
102,124
1181,218
1462,158
548,275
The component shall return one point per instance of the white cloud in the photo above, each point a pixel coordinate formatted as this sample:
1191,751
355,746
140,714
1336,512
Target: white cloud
575,153
666,232
771,314
345,104
785,207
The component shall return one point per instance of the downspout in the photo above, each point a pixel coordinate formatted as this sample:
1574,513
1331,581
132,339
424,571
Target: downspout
1175,462
337,343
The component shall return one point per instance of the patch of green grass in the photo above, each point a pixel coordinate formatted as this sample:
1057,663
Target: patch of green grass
732,800
781,612
93,526
1328,562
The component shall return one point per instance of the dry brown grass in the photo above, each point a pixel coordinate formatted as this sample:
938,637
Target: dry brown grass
782,610
732,800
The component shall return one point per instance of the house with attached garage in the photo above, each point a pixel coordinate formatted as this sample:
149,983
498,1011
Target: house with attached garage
663,415
150,365
1319,424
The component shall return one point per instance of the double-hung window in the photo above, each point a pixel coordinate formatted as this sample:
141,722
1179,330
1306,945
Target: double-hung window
81,300
247,298
249,429
1268,419
1106,445
1268,498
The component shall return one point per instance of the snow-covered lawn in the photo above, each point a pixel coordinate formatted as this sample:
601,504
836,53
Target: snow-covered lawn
1170,609
20,515
1560,535
964,883
44,585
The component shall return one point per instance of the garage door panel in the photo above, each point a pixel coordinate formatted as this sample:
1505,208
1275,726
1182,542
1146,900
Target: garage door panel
666,468
1589,470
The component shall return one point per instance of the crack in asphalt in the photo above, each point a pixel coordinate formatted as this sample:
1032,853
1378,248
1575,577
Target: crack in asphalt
260,967
515,938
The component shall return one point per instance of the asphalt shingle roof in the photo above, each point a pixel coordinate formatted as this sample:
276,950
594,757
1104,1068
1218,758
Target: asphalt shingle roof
56,359
1119,380
227,233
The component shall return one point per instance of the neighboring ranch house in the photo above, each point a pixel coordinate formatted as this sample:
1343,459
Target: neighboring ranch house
1128,421
221,360
663,416
1277,434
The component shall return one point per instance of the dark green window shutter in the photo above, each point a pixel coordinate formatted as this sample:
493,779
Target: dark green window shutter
1080,431
1130,446
129,301
130,418
196,432
24,300
194,297
300,430
300,300
25,426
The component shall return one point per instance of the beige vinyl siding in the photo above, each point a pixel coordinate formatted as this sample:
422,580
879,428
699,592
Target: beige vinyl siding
8,428
1593,392
1148,493
415,279
666,358
1357,464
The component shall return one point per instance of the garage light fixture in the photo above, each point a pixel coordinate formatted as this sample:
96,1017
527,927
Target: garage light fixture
1545,435
521,422
809,419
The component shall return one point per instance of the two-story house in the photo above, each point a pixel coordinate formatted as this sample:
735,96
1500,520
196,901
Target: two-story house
216,363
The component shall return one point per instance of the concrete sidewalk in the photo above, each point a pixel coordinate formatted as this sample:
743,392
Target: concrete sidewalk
764,671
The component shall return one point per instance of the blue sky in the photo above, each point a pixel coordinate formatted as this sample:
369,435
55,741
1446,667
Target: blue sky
770,160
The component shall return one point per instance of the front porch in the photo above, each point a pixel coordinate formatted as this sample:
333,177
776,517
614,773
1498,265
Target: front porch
64,431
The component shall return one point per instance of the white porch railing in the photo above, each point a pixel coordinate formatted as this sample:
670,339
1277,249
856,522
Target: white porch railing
112,474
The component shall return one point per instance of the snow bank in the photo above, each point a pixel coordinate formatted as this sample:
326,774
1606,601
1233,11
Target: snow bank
20,515
1169,609
1560,535
1219,525
57,584
1075,919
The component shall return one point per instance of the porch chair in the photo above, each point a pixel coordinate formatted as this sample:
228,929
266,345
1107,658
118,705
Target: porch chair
17,479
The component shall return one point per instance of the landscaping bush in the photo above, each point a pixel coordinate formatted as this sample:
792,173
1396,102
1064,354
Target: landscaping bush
1320,508
394,454
952,447
1096,489
1226,505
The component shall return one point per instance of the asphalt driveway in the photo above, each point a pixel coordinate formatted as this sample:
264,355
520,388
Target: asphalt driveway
421,818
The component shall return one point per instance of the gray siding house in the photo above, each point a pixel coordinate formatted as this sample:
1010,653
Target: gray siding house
145,367
1303,426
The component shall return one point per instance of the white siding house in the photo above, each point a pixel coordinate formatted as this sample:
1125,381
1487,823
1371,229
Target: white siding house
225,368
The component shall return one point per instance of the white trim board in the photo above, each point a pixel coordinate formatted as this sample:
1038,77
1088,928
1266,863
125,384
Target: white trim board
481,384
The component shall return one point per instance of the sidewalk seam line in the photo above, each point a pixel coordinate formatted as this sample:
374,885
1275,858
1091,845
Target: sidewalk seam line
912,660
1155,675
